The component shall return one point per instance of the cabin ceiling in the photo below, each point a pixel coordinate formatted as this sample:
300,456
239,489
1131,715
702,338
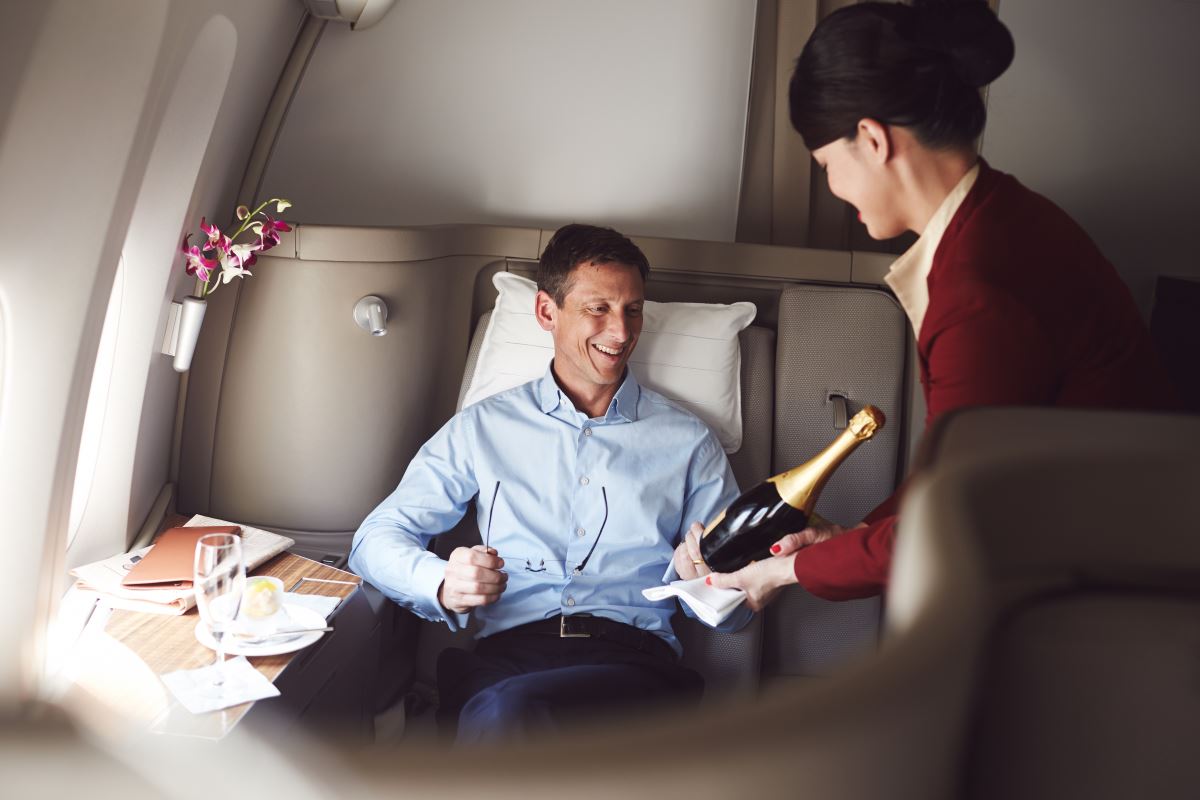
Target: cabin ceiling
525,112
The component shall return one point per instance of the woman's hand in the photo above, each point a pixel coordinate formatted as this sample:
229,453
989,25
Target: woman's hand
687,559
761,581
814,534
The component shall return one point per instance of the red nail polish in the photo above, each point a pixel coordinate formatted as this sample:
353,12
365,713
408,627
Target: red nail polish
708,580
775,548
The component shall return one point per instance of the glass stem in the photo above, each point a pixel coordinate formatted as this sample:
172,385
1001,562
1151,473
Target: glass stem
220,640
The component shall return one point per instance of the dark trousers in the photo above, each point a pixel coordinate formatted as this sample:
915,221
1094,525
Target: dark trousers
514,685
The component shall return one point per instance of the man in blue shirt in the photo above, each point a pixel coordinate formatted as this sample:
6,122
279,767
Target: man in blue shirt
586,483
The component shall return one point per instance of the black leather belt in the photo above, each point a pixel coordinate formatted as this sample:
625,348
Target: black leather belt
583,626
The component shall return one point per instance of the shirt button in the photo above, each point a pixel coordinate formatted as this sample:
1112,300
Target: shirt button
570,601
584,481
580,532
587,431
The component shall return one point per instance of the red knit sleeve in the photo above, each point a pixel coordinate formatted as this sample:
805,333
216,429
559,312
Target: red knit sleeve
889,507
849,566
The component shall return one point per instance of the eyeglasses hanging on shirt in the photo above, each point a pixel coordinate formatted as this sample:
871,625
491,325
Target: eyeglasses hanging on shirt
487,537
579,569
541,564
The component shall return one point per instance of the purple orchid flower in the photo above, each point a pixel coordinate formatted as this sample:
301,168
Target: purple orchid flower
268,231
216,239
196,263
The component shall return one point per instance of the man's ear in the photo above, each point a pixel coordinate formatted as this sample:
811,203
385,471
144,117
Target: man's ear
875,139
545,311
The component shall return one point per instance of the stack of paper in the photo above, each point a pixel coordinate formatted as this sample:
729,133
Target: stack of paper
711,605
104,577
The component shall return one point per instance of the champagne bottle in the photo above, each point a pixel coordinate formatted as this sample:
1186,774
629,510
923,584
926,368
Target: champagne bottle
745,531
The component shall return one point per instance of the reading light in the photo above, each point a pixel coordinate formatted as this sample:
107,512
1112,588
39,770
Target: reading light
371,315
361,14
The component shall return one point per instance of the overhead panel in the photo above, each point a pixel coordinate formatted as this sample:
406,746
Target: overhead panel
525,112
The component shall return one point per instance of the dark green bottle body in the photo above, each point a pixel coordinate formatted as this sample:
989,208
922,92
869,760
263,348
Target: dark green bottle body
752,523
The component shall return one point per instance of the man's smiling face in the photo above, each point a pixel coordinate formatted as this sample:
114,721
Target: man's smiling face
595,330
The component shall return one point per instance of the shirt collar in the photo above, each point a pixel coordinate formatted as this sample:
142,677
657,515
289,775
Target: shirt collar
623,406
909,274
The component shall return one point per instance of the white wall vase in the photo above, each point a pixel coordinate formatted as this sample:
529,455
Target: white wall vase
188,331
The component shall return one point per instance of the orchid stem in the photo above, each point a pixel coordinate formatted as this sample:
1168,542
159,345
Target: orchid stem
249,217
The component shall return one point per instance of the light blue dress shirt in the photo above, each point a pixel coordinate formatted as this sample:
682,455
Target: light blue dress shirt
643,472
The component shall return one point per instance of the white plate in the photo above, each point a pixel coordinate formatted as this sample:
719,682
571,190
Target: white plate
301,617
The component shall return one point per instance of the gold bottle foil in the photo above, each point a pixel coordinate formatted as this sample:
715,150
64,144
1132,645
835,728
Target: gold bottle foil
800,486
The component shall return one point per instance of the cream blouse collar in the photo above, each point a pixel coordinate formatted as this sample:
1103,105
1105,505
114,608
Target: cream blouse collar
909,274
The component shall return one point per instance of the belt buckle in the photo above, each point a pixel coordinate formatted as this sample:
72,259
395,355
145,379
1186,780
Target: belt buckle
562,631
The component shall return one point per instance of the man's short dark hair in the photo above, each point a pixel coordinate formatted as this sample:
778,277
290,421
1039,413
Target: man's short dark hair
573,245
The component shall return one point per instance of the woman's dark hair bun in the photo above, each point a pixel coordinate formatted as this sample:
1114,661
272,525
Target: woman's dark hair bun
968,33
916,66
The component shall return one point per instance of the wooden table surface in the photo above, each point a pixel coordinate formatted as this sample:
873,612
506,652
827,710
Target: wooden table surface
166,643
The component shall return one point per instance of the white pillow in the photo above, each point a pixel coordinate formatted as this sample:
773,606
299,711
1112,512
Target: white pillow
687,352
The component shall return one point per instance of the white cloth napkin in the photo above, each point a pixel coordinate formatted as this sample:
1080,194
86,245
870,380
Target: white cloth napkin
711,605
281,621
243,683
313,602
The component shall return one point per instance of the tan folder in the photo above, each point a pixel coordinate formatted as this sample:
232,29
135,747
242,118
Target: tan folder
171,561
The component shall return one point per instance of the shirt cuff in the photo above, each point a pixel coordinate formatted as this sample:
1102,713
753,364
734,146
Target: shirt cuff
428,576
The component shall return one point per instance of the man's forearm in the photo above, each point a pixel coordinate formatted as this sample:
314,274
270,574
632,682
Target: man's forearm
395,562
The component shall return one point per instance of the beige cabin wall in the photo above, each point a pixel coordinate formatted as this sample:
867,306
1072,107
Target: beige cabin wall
525,113
783,199
1098,112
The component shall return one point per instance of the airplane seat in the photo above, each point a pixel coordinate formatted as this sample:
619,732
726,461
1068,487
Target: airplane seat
1087,682
297,420
74,747
860,359
807,393
728,662
888,726
38,739
732,662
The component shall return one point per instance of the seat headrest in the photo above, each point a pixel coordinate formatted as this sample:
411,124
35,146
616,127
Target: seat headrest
687,352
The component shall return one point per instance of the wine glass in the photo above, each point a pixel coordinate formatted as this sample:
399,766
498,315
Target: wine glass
219,580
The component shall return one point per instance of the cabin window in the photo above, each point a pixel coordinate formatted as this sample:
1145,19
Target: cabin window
123,466
93,421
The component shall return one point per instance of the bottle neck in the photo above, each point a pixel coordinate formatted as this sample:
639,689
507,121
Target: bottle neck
800,486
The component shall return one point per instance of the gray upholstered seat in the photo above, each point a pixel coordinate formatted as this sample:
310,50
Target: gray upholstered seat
1088,678
727,661
890,726
833,342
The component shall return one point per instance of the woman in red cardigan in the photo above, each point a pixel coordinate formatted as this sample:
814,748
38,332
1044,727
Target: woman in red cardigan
1011,302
